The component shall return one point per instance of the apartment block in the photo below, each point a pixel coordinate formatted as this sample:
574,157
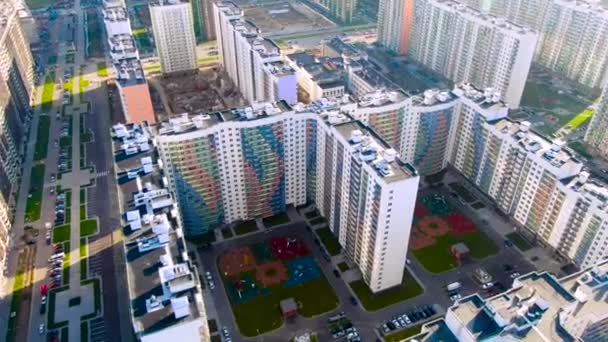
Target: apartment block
395,24
254,63
339,10
173,28
596,136
165,294
526,13
572,41
465,45
132,85
537,307
253,162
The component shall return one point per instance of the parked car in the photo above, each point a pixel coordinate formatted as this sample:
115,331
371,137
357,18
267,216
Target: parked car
336,273
353,300
41,329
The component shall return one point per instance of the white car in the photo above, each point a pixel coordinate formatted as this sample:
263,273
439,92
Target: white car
455,297
208,275
487,285
211,285
514,275
41,329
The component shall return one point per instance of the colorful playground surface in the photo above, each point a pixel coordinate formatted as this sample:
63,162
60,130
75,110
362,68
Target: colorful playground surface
259,276
437,226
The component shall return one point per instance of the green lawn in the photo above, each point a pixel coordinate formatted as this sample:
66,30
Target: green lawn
437,258
61,233
227,233
519,241
34,200
142,39
409,288
84,331
83,196
210,59
245,227
343,267
317,220
275,220
47,92
329,240
102,69
83,212
463,192
66,262
580,118
82,251
262,314
403,334
74,301
18,285
94,34
42,137
88,227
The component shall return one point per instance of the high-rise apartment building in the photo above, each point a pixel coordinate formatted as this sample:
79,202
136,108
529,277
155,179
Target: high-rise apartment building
339,10
254,63
526,13
173,28
597,132
208,20
16,87
573,41
130,81
466,46
395,24
253,162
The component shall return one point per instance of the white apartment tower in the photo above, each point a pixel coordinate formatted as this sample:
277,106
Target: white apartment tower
597,132
467,46
526,13
174,35
573,41
254,63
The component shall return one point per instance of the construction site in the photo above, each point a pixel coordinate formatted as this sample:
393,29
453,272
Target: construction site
203,91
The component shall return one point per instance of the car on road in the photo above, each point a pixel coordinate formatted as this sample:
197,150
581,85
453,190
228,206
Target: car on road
211,285
42,308
336,273
41,329
514,275
225,332
455,297
353,300
208,275
507,267
487,285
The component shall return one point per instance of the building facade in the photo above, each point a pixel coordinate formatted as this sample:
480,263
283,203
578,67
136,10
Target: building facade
255,64
341,11
466,46
253,162
395,24
597,132
573,41
173,28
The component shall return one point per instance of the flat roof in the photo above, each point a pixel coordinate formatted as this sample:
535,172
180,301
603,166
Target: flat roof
390,171
163,285
7,12
129,71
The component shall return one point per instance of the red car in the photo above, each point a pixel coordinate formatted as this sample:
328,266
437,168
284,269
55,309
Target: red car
43,289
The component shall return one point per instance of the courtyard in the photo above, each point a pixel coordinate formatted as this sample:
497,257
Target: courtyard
437,226
256,277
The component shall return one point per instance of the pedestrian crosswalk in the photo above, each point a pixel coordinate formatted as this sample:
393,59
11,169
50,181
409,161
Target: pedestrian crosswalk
98,330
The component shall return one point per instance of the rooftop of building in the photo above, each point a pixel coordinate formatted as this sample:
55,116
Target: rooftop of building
433,97
279,68
115,14
591,6
122,43
163,285
129,72
374,78
341,47
321,69
372,150
538,307
229,8
188,123
159,3
592,189
550,151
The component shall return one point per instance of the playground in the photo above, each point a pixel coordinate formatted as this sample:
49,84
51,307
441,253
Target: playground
258,276
437,226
